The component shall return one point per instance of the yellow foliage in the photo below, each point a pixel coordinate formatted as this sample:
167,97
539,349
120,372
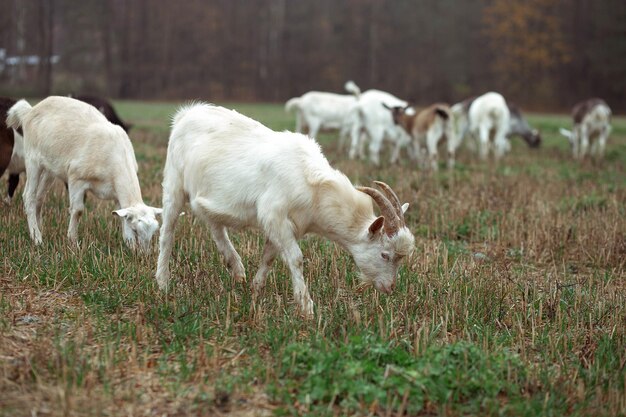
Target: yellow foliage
526,35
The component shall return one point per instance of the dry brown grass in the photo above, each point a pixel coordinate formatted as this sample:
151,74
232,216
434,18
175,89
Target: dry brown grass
528,256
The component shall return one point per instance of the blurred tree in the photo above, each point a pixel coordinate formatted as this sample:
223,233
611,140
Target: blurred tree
529,41
540,53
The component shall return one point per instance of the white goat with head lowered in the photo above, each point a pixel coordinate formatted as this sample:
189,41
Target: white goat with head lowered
238,173
319,110
71,140
489,121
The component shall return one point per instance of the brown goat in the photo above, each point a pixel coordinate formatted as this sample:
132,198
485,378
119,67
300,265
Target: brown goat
105,108
428,128
7,142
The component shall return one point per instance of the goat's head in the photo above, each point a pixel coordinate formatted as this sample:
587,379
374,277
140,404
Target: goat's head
399,112
533,138
139,225
386,242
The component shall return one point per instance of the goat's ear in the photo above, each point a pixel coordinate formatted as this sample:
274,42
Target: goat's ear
376,226
405,207
156,210
120,212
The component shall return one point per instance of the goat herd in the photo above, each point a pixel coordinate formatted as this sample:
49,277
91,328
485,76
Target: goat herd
487,120
235,172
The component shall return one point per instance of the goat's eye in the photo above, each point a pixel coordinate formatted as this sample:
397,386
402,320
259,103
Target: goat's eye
385,256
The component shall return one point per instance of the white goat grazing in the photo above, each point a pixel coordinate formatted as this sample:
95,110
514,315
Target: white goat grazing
317,110
71,140
369,116
592,125
236,172
428,128
518,125
489,120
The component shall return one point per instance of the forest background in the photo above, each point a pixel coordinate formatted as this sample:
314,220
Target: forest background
543,54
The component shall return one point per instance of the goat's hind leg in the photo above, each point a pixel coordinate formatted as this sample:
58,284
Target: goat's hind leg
30,201
226,248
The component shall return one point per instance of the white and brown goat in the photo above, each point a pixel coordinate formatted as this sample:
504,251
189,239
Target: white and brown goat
428,128
592,127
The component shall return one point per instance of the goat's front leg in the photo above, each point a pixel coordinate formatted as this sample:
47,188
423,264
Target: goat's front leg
172,206
452,142
395,155
431,143
483,146
226,248
583,142
45,181
601,142
77,205
355,138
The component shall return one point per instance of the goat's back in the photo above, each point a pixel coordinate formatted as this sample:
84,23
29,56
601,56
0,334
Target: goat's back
489,108
593,108
220,153
61,132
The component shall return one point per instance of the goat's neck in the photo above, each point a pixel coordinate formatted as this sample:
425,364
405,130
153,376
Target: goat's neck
343,215
127,190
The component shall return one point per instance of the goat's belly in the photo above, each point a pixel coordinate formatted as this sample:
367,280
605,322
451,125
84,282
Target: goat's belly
224,214
103,191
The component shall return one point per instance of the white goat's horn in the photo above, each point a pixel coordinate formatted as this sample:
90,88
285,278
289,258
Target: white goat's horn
392,221
392,197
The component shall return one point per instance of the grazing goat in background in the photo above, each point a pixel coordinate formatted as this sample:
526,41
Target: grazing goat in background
428,128
518,125
487,119
592,125
105,108
369,117
11,150
237,173
318,110
71,140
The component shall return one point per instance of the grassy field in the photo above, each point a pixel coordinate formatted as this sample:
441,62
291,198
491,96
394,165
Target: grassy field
512,304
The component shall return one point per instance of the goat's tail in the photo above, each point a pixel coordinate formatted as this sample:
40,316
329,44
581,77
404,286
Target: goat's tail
352,88
17,113
442,112
292,104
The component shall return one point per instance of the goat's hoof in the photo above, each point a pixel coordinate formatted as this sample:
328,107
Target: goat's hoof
239,278
307,310
163,282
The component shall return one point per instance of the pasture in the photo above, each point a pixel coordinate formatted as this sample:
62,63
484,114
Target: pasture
514,302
